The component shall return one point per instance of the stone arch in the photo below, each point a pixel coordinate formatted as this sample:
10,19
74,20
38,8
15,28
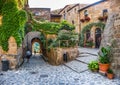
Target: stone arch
27,42
36,40
91,27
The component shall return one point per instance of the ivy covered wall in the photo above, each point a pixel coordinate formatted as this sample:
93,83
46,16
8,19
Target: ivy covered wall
13,22
89,26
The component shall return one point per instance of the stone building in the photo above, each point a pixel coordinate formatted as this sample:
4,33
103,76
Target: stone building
111,35
55,18
40,14
93,14
70,13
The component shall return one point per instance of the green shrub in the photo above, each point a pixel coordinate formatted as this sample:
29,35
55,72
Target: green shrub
110,71
93,65
104,55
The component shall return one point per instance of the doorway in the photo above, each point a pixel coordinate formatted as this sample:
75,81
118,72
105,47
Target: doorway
36,47
97,37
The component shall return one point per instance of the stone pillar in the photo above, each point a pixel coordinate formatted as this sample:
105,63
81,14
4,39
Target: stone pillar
111,35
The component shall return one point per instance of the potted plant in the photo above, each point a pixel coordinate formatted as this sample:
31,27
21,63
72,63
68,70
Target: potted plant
82,20
93,66
110,73
101,18
87,18
104,59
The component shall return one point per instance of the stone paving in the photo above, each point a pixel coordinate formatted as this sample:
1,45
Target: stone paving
39,72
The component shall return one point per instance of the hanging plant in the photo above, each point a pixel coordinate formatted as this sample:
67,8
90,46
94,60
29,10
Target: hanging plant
87,18
82,20
102,18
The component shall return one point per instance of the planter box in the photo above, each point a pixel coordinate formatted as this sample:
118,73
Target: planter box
55,55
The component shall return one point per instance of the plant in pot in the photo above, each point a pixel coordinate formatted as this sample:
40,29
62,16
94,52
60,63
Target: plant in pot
82,20
93,66
104,59
110,73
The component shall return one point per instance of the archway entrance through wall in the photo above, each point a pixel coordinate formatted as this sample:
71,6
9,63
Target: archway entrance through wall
97,37
36,46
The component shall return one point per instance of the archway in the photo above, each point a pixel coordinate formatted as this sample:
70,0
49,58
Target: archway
87,34
97,37
36,46
30,38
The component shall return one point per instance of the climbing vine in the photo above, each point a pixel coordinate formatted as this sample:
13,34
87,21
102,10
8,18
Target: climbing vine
12,23
48,27
88,27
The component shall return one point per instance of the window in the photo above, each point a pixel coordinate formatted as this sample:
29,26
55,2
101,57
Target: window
37,13
105,12
64,16
73,22
85,13
75,10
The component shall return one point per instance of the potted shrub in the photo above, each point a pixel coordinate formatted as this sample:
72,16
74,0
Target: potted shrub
101,18
82,20
87,18
104,59
93,66
110,73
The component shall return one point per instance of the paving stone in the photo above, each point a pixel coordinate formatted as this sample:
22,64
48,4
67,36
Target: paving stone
54,75
87,59
77,66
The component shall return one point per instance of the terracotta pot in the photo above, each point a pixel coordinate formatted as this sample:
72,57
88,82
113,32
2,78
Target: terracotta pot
103,67
110,76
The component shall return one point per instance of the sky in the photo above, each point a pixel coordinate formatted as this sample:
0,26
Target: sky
56,4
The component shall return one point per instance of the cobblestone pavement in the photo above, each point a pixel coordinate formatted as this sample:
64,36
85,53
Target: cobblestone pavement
39,72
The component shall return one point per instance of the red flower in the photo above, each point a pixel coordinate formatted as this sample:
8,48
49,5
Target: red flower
87,18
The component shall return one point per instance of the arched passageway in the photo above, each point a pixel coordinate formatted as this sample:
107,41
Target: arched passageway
36,46
97,37
30,39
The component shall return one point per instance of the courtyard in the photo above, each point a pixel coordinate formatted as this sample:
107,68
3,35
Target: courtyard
39,72
77,43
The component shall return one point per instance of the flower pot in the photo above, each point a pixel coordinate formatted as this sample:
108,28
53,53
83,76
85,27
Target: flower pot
103,67
110,76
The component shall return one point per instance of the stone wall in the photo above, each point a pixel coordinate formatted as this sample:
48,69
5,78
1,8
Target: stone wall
70,13
94,12
12,54
111,35
40,14
55,55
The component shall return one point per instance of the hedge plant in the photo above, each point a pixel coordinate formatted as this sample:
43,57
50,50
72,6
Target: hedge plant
12,23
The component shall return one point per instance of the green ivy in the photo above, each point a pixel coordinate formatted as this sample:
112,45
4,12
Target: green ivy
12,23
47,27
88,27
